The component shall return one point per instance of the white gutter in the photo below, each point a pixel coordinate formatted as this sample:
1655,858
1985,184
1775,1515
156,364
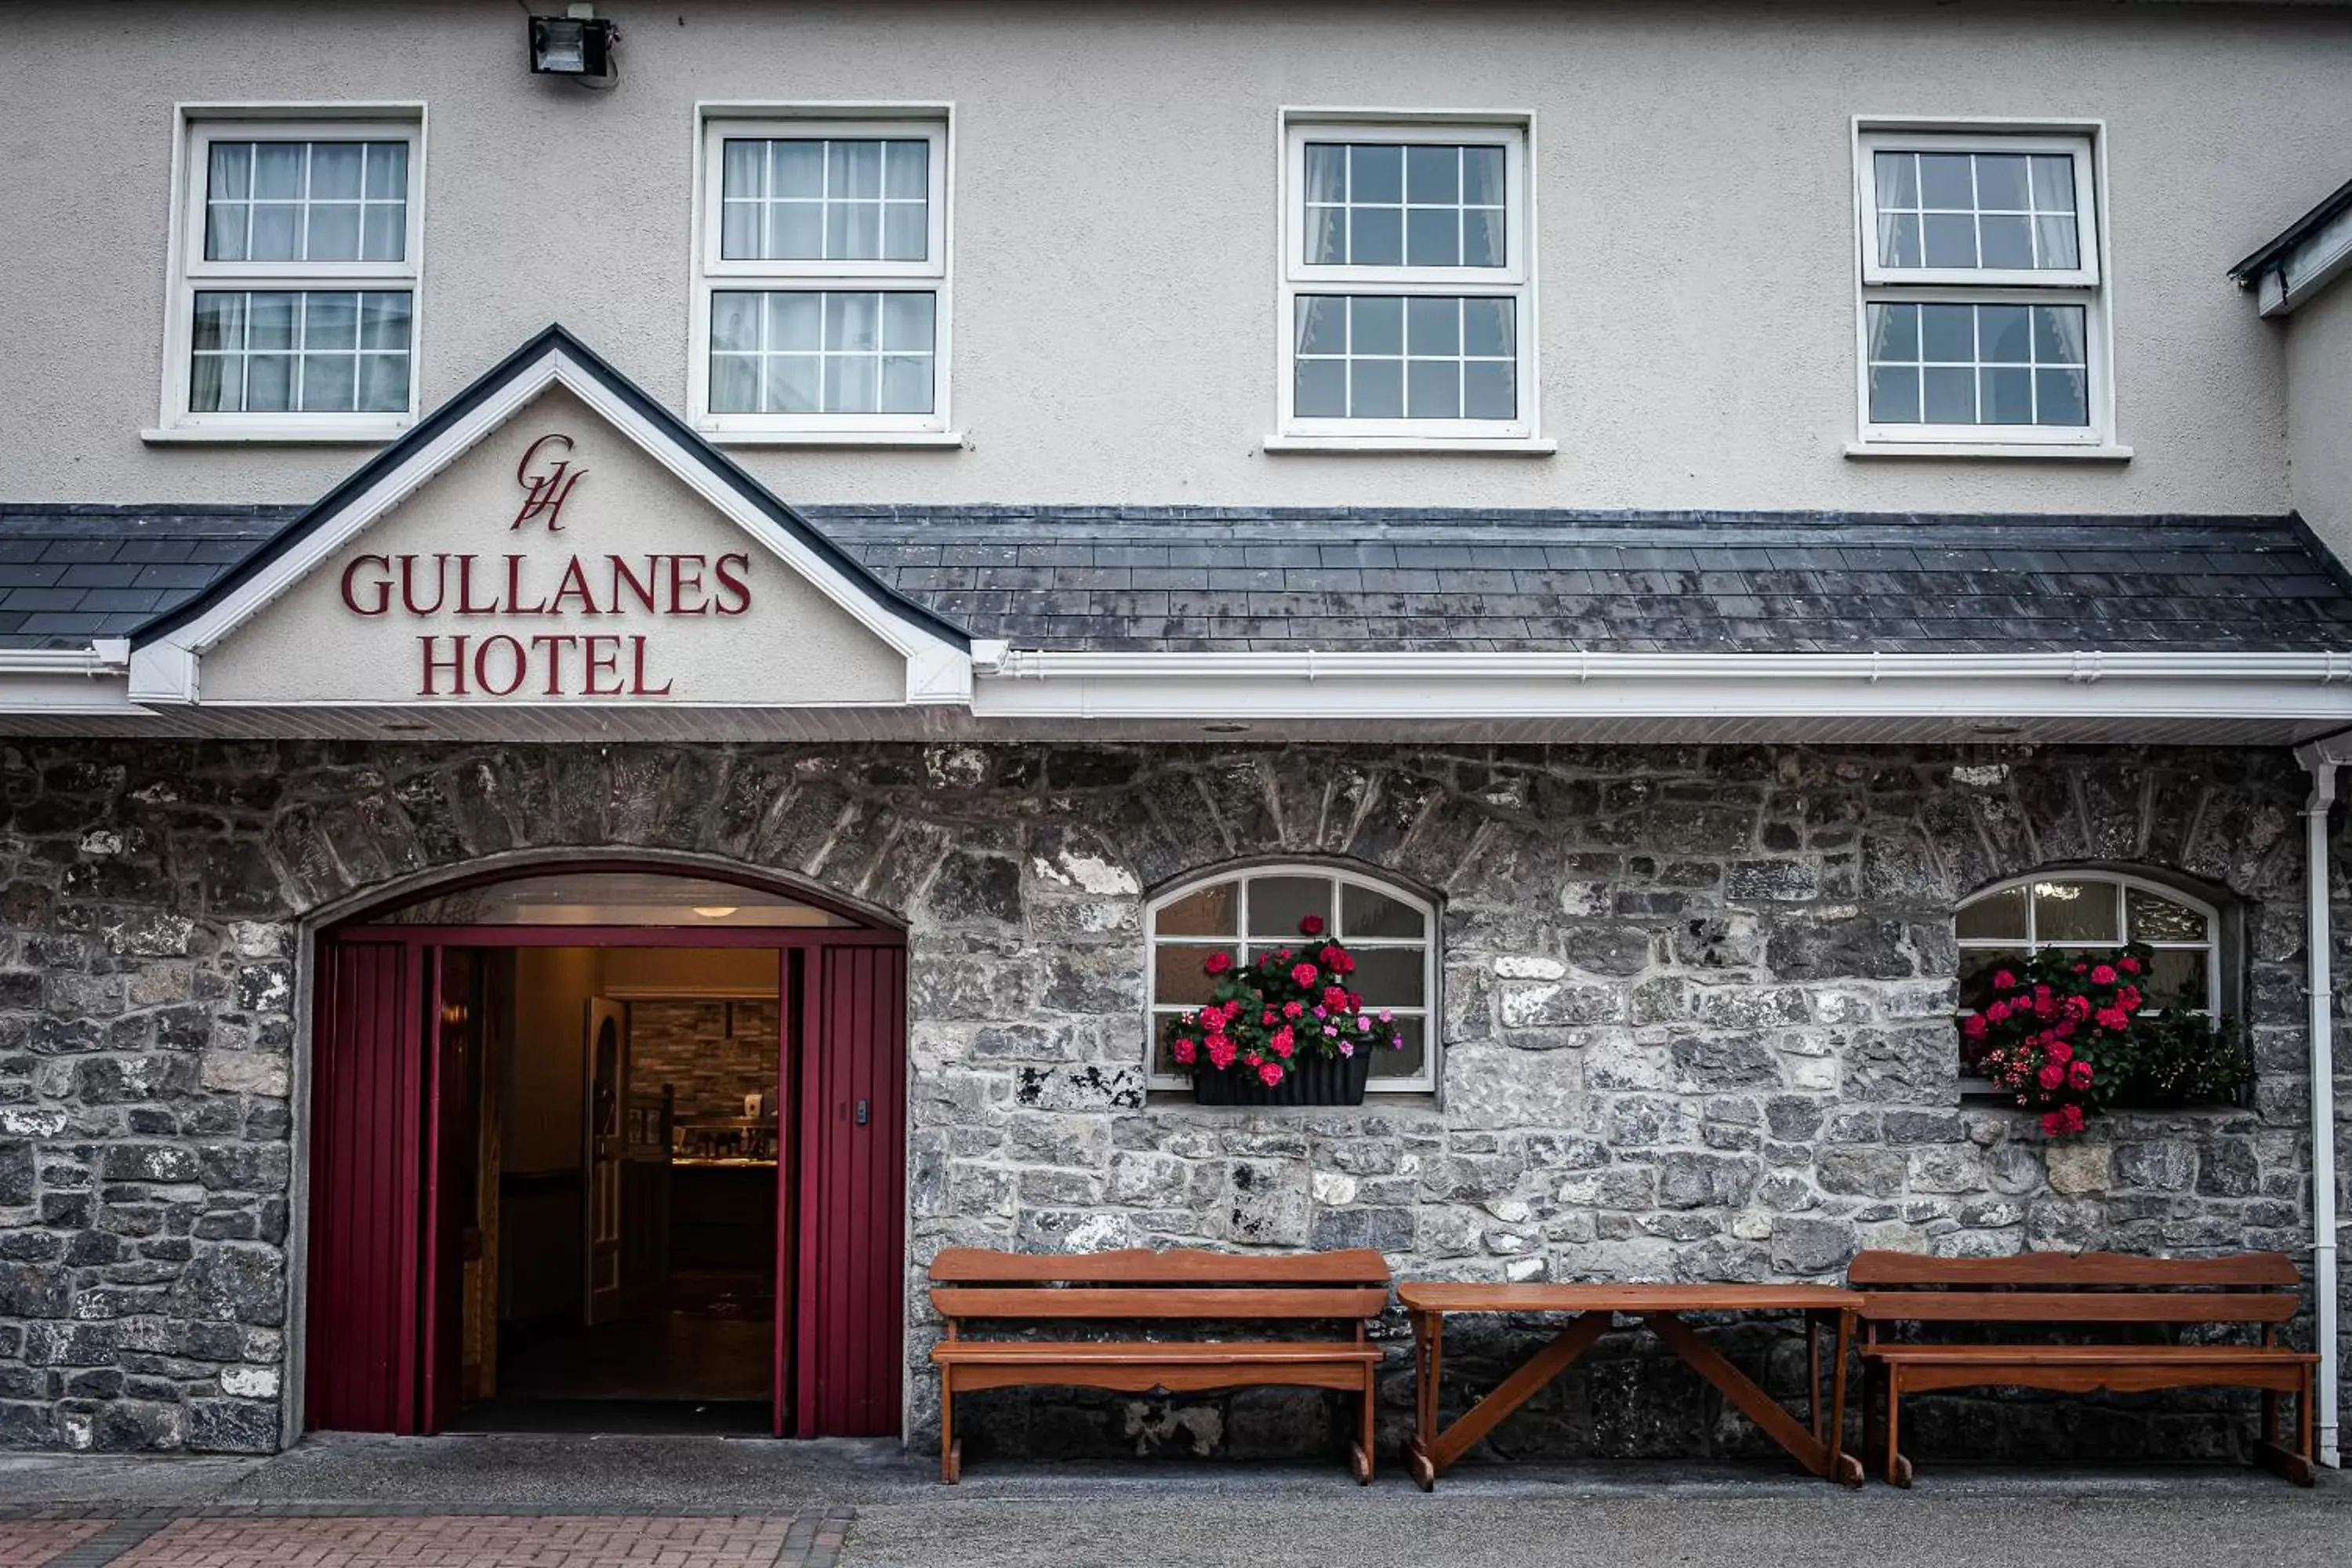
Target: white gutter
1308,684
2320,759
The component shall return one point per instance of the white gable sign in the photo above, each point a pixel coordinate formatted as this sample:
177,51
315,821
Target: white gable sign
555,559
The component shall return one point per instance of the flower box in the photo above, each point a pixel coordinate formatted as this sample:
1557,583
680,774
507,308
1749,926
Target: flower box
1311,1081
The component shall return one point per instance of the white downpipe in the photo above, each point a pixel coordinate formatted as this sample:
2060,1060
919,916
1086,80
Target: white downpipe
2321,760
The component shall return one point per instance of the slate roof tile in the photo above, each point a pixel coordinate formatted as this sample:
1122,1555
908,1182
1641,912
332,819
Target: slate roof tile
1139,578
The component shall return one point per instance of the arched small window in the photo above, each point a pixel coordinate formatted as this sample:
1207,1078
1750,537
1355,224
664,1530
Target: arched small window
1392,932
2093,910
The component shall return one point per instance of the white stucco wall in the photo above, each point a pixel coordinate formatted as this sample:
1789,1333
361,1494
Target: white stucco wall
784,644
1114,234
2319,413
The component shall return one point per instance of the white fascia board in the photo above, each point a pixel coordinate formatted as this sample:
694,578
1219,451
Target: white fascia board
2316,261
169,669
76,681
1374,687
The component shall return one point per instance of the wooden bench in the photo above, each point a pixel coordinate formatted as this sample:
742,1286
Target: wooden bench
1180,1286
2073,1289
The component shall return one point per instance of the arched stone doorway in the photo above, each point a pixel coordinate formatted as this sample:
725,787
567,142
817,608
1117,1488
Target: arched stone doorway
440,1017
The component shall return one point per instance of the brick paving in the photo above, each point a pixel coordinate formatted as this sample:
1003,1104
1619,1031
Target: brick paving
356,1537
36,1545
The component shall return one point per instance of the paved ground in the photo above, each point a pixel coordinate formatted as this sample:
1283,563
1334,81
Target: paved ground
682,1503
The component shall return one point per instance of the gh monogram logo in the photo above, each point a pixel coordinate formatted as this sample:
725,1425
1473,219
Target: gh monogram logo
545,488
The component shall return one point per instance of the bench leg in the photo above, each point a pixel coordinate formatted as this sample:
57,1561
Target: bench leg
2297,1464
1898,1468
1362,1455
950,1446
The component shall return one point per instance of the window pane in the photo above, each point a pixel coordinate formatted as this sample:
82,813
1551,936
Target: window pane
2006,241
2054,182
2001,334
1487,331
383,231
1389,976
2005,396
1898,239
906,231
1376,389
1414,1035
1433,327
1376,236
2074,912
1897,174
1178,977
795,232
1327,172
734,323
335,171
1366,913
793,385
1490,389
1432,175
2001,181
1895,333
214,384
329,383
270,383
734,383
1276,904
1432,389
228,173
219,322
1376,326
1327,236
905,384
851,384
1949,396
330,322
334,232
1321,391
853,231
1996,917
1482,177
855,170
276,232
2178,977
1376,173
1322,325
1946,180
796,168
384,383
744,170
2060,397
1482,237
1893,395
269,321
907,322
1432,238
383,321
278,169
2056,239
1209,911
2154,917
387,172
1951,240
851,323
1947,334
795,321
907,170
2058,334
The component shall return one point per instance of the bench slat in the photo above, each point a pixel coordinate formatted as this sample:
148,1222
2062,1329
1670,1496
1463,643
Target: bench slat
2076,1307
1147,1352
1160,1301
1144,1265
1969,1355
2066,1269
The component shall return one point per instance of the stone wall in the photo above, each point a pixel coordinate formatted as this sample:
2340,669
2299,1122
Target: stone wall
1695,1027
712,1052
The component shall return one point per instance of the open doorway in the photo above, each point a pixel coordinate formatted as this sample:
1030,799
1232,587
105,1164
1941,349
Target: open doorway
581,1145
628,1192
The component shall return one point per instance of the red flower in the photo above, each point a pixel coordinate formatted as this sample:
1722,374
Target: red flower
1304,975
2060,1051
2129,998
2114,1018
2128,964
2054,1125
1292,1009
2078,1006
2053,1076
2079,1075
2105,974
1222,1051
1311,926
1997,1011
1341,961
1334,998
1269,1073
1973,1026
2002,980
1219,961
1267,1017
1185,1050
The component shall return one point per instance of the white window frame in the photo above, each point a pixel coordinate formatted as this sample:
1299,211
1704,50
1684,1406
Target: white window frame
2086,286
715,124
198,127
1515,281
1431,1012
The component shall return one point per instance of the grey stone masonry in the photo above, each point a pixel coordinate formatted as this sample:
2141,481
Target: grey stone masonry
1696,1027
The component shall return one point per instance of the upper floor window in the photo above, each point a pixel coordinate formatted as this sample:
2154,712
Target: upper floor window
1391,931
295,275
822,279
2096,911
1407,301
1982,314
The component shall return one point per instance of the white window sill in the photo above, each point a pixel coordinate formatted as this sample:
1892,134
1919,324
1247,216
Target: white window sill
918,438
372,433
1453,446
2026,451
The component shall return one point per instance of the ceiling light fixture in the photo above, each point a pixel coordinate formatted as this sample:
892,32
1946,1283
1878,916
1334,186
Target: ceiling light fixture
714,911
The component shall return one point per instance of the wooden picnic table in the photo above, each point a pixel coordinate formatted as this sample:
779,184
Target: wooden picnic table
1591,1309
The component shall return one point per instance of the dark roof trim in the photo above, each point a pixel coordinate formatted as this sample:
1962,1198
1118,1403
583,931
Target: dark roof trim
554,339
2294,234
